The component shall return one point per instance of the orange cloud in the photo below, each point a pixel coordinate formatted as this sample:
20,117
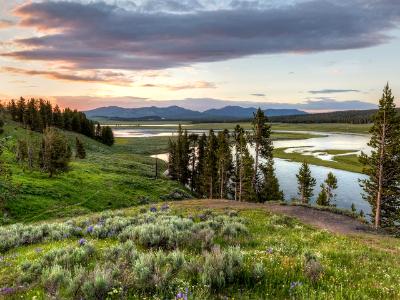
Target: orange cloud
188,86
96,77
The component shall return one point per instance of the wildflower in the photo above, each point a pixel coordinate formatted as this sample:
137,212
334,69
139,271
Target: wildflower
295,284
90,229
269,250
181,295
153,209
38,250
6,290
165,207
82,242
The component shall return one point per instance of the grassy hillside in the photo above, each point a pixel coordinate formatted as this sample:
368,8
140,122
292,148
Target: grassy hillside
185,250
110,177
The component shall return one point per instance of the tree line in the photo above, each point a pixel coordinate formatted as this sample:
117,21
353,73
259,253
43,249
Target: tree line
348,116
219,165
38,114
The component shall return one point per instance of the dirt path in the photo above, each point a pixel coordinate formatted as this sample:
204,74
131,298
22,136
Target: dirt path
322,219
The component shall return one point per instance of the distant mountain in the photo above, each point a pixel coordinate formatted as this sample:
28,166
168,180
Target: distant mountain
179,113
168,113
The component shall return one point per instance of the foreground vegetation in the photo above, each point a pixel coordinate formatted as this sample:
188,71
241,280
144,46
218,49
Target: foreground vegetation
185,252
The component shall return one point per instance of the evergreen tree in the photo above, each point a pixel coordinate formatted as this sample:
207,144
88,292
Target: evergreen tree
237,135
225,166
245,177
211,167
200,166
193,138
57,117
21,153
270,190
326,195
55,152
97,132
306,183
107,136
261,139
12,108
80,149
172,160
382,188
8,190
20,113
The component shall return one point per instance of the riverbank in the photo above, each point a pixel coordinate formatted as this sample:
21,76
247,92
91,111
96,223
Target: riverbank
339,160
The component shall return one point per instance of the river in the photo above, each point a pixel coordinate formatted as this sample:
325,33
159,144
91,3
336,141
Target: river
349,190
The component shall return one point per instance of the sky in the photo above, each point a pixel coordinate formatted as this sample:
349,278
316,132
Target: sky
315,55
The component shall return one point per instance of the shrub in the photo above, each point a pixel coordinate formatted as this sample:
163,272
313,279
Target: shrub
99,283
221,268
53,278
313,269
233,229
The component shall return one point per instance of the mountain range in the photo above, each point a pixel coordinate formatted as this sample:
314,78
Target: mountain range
179,113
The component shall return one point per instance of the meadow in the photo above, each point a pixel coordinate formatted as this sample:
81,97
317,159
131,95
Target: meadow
109,178
188,251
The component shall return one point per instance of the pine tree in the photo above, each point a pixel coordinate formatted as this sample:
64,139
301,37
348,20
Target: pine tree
261,139
57,117
306,183
200,166
55,153
270,189
172,160
107,136
383,164
225,166
326,195
211,167
12,108
80,149
8,190
20,113
21,153
246,163
193,138
237,136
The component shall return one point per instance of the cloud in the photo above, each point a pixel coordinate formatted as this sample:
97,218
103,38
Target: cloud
165,34
96,77
5,23
187,86
258,95
333,91
202,104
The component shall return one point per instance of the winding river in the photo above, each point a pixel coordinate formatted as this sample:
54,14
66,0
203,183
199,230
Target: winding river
348,191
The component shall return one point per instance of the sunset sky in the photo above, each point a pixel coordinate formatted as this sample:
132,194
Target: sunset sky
315,55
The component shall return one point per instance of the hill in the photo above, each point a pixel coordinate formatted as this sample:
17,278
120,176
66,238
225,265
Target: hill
194,250
110,177
178,113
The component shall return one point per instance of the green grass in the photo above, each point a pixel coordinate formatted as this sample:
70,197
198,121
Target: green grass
353,267
110,177
342,162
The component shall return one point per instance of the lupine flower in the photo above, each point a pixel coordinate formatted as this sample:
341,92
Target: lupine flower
82,242
90,229
295,284
181,295
153,209
6,290
269,250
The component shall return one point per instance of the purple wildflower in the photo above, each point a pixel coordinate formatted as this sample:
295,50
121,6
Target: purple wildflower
82,242
90,229
7,290
153,209
181,295
165,207
269,250
295,284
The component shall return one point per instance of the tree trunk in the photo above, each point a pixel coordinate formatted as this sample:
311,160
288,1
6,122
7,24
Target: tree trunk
211,187
256,165
380,175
